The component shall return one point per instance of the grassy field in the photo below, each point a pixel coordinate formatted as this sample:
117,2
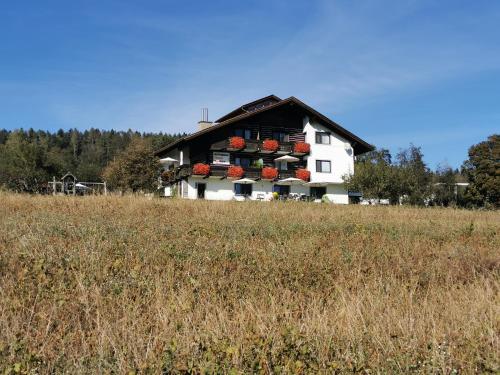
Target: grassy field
130,285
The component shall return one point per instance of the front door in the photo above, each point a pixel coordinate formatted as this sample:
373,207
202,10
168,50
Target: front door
201,190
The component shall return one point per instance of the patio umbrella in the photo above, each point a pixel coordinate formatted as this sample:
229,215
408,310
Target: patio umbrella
290,181
287,158
244,181
168,161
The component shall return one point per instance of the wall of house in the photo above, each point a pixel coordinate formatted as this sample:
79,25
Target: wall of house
342,160
337,194
176,154
224,189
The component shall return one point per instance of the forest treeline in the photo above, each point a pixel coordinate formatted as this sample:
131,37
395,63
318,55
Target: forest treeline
30,158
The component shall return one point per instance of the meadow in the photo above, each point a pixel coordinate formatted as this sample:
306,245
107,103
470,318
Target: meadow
131,285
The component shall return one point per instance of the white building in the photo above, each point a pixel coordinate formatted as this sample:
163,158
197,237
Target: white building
269,145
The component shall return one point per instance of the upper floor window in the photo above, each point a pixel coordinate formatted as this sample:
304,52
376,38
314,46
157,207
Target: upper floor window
280,136
323,166
242,162
243,133
323,138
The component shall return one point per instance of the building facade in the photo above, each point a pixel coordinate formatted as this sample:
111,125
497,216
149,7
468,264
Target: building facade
271,145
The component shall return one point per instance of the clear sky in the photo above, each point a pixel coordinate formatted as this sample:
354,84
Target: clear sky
392,72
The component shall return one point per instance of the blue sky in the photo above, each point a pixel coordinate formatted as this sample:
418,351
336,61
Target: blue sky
393,72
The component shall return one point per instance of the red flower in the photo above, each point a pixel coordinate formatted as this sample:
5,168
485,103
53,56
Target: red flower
303,174
302,147
270,145
269,173
237,143
201,169
235,171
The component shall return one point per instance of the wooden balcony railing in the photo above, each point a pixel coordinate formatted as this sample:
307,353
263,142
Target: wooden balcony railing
220,171
253,146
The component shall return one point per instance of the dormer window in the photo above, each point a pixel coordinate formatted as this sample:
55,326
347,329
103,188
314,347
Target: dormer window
322,138
243,133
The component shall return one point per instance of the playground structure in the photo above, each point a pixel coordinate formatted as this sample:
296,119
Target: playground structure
69,185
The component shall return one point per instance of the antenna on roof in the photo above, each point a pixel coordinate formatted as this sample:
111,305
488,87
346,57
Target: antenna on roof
204,114
204,123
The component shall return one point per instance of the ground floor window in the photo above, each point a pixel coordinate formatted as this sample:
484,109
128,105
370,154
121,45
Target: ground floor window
200,190
243,189
281,189
317,192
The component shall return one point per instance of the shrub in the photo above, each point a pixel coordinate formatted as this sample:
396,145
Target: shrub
270,145
303,174
302,147
269,173
167,175
235,171
201,169
236,143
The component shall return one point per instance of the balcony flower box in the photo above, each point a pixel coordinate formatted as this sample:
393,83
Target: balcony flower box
201,169
269,173
301,148
235,172
236,143
303,174
270,145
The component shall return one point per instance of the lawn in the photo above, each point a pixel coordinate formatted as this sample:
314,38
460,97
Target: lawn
130,285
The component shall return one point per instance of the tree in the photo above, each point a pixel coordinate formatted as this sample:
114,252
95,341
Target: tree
413,176
136,168
444,189
483,172
28,159
374,176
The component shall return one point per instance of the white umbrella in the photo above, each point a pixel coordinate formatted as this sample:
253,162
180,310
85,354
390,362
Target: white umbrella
168,160
244,181
290,181
287,158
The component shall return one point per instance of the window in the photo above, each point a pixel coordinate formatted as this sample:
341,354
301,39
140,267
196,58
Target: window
280,136
281,189
244,133
243,189
281,165
242,162
323,166
322,138
318,192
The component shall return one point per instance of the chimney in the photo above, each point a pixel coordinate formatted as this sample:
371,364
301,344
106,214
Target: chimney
204,123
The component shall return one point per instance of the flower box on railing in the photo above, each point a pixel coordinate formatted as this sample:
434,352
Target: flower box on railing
301,148
270,145
236,143
201,169
303,174
269,173
235,171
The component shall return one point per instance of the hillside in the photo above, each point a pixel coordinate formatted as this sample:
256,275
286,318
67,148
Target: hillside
110,284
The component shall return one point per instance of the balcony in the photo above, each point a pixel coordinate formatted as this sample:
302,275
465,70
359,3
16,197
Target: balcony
255,146
219,172
251,146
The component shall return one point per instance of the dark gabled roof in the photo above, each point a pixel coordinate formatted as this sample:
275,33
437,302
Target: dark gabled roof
245,107
360,146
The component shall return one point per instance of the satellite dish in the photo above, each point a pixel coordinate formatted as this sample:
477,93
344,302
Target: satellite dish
347,146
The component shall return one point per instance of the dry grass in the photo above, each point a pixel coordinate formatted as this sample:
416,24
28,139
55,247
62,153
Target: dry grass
108,284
